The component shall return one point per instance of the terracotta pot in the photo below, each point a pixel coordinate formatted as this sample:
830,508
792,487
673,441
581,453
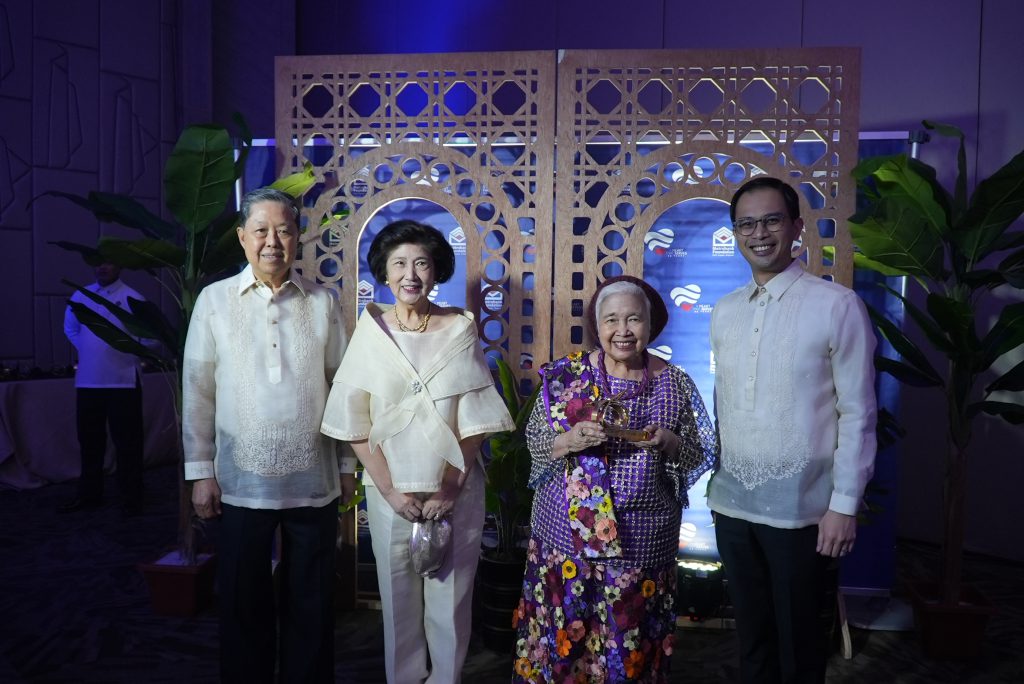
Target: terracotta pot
950,632
179,589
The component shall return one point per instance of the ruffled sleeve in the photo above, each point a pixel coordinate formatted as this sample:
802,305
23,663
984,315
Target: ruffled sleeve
347,414
540,437
698,447
481,412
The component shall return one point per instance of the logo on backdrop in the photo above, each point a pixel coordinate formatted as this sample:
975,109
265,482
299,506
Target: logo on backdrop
432,296
457,239
711,363
659,240
686,298
723,242
662,351
364,294
493,300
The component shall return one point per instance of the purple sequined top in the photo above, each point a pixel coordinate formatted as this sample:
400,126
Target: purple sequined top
648,487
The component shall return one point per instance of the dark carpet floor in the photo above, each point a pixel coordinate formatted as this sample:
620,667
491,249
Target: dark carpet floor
75,608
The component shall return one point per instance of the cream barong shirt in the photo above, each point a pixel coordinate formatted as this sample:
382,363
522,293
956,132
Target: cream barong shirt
257,370
795,400
414,395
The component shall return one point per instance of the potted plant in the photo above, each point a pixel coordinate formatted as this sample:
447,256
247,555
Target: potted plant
954,250
509,499
199,184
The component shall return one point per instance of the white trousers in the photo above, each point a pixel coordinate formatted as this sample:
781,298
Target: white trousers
427,621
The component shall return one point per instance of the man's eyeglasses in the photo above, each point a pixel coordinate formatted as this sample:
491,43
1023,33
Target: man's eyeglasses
747,225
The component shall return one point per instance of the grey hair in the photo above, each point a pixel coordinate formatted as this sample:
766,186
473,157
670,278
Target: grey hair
622,288
254,197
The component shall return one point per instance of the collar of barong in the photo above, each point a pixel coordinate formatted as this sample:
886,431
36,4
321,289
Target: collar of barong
375,364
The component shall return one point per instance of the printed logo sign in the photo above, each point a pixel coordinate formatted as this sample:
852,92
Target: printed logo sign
457,239
433,296
364,294
686,296
493,300
662,351
723,242
659,240
687,533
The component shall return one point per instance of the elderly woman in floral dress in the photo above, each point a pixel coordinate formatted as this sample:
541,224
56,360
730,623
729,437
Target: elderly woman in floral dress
616,440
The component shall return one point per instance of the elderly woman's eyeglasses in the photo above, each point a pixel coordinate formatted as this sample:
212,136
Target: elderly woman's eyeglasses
748,224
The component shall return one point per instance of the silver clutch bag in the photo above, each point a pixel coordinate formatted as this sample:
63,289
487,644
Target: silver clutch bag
429,544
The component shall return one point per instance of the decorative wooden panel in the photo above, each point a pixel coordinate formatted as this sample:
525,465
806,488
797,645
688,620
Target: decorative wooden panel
473,133
689,124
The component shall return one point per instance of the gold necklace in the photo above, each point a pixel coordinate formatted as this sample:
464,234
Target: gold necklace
420,328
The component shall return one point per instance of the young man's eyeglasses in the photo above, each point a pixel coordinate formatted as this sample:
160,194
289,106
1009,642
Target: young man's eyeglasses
748,224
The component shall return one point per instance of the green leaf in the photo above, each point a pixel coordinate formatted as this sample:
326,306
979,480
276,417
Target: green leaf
956,318
298,183
136,325
923,321
904,347
157,324
110,333
914,182
865,264
223,251
1010,240
1007,334
887,429
1012,261
91,255
894,233
199,178
1010,381
997,202
951,131
124,210
141,254
245,138
509,391
1012,413
905,373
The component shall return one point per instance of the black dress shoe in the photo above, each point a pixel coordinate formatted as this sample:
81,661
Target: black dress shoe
80,504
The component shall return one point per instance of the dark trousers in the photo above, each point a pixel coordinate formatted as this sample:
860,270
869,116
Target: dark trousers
304,611
120,409
781,591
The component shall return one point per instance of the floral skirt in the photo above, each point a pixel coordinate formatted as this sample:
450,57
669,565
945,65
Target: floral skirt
585,621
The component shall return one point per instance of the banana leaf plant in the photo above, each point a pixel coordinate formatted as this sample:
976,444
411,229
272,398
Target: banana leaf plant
507,494
182,256
955,249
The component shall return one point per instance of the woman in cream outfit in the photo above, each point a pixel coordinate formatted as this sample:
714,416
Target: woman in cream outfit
415,398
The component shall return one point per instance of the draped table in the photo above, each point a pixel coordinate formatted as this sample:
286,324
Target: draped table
38,439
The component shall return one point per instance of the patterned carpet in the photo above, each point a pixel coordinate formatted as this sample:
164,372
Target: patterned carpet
75,609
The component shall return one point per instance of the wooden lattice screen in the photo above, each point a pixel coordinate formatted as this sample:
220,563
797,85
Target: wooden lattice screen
641,131
473,133
672,125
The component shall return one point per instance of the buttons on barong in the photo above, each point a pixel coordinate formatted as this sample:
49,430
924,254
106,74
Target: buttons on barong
416,386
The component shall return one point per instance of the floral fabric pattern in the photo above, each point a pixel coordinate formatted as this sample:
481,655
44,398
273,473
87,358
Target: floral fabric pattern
569,387
583,621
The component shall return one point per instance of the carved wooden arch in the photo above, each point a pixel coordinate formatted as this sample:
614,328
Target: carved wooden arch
602,95
691,187
478,102
478,255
